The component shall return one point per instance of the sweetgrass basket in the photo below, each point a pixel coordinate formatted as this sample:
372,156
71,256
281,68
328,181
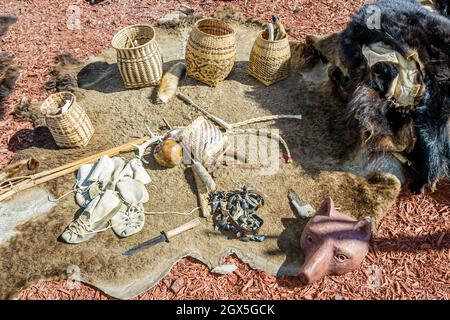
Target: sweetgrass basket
138,56
210,51
71,128
269,60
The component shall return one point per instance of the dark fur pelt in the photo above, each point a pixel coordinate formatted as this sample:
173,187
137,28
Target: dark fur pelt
443,6
422,133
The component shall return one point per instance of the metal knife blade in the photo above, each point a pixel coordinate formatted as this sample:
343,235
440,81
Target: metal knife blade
146,244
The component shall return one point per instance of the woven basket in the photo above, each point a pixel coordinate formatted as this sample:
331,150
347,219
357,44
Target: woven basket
70,129
269,60
210,51
138,56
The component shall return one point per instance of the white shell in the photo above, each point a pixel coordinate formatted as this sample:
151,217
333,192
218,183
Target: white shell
224,269
133,192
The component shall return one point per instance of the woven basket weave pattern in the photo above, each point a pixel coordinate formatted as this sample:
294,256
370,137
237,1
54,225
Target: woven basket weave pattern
269,60
70,129
140,65
210,51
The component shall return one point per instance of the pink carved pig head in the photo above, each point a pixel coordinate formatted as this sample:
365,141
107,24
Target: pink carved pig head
333,243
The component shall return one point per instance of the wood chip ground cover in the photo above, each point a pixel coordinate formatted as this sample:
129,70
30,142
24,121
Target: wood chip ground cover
409,257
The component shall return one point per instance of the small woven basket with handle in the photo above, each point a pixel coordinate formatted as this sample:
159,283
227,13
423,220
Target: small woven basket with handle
210,51
71,127
269,60
138,56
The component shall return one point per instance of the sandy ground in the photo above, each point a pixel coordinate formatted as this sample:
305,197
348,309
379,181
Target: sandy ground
410,254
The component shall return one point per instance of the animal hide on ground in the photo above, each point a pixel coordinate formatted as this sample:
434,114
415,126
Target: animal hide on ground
319,145
420,131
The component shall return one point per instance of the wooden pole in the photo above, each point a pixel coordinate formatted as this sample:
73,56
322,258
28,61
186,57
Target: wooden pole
51,174
212,117
202,195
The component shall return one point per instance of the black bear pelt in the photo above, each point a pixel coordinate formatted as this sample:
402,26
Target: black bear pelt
423,133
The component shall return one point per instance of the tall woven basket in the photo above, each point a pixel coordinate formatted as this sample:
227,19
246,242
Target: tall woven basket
210,51
138,56
71,128
269,60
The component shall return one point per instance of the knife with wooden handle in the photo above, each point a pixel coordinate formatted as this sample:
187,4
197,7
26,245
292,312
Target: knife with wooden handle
165,236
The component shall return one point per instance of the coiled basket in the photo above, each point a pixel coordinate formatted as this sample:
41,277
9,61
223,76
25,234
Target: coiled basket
70,129
210,51
269,60
138,56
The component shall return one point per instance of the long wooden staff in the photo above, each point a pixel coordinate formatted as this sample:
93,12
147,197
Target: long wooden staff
45,176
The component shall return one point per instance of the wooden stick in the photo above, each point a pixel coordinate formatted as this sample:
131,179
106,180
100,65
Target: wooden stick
127,147
185,227
200,184
227,126
130,41
51,174
281,33
167,123
232,127
202,196
212,117
270,32
265,119
204,176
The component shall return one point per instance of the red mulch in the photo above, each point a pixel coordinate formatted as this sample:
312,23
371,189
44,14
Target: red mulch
410,254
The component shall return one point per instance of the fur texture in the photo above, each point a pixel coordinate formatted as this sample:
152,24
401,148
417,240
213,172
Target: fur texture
11,170
443,6
169,82
8,74
5,23
34,254
421,131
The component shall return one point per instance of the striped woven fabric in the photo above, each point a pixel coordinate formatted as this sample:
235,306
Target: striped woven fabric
203,140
